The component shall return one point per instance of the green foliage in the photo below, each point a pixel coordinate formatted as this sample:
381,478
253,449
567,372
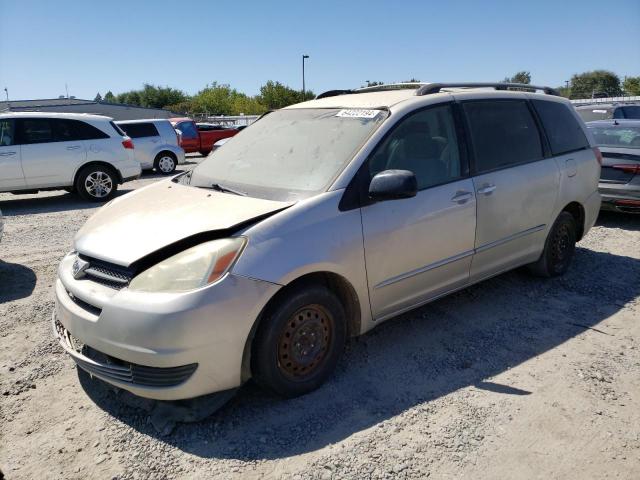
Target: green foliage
595,83
152,96
631,85
98,97
274,95
109,97
520,77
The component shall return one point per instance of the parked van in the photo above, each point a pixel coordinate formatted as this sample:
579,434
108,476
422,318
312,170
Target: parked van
156,142
320,222
86,154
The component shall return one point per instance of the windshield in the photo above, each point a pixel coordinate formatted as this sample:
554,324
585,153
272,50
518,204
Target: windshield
289,154
616,136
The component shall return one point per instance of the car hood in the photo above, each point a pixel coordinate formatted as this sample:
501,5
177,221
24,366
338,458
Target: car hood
153,217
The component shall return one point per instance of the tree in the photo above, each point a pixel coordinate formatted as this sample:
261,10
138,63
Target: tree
109,97
595,83
152,96
631,85
275,95
98,97
520,77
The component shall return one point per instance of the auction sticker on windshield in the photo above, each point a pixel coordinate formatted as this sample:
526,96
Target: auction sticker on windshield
358,113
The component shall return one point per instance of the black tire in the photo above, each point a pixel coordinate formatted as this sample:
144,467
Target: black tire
104,179
558,248
299,341
165,163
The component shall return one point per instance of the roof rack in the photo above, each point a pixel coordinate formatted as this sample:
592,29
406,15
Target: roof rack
430,88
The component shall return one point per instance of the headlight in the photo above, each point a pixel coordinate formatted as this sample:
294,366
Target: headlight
194,268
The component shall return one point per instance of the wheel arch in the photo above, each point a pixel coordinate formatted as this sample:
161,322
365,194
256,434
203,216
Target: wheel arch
577,212
97,163
336,283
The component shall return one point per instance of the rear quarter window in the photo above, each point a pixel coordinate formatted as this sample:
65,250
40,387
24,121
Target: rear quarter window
563,130
139,130
84,131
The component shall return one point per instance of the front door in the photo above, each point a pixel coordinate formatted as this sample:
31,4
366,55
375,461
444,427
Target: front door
11,175
516,186
420,247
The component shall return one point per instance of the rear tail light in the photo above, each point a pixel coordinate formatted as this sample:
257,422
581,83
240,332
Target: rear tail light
127,143
628,203
628,168
598,154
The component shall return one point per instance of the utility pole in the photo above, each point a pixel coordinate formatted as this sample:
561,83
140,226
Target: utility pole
304,90
67,90
6,92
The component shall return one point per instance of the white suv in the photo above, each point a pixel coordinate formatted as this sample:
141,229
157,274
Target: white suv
156,143
87,154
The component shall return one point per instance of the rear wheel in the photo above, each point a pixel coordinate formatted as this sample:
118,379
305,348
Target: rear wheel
299,342
558,249
165,163
97,183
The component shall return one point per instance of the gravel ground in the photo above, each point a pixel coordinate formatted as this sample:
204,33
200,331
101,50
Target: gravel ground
517,377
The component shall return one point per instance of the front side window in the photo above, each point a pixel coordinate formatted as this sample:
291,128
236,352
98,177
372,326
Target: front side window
7,136
290,153
36,130
424,143
563,130
616,136
503,133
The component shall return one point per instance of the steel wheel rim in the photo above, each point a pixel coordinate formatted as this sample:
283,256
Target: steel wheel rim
98,184
561,246
305,341
166,164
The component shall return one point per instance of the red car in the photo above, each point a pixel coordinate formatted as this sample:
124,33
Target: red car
199,138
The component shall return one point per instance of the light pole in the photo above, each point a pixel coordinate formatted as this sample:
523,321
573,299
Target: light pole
304,91
6,92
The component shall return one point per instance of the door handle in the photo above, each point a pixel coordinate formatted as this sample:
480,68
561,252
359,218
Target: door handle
572,169
7,154
486,189
461,197
155,141
73,147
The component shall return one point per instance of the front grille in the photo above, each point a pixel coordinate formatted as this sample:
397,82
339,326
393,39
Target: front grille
106,366
105,273
84,305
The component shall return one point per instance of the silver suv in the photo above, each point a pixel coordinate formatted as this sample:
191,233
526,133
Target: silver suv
156,143
319,222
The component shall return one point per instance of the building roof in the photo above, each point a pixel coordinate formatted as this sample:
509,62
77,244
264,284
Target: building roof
62,102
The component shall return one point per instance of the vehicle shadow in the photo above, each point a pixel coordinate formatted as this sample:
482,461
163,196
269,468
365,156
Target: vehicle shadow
16,281
625,221
38,204
146,174
460,341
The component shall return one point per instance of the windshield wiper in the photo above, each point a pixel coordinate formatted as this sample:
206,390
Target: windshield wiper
221,188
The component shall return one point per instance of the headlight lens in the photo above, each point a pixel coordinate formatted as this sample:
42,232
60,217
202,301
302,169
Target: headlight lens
194,268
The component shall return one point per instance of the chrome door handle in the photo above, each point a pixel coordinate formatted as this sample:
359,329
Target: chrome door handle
7,154
461,197
73,147
486,189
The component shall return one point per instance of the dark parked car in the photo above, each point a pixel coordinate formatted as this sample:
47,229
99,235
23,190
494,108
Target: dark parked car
619,142
606,111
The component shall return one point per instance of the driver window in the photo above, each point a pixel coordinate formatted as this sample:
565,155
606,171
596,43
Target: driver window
424,143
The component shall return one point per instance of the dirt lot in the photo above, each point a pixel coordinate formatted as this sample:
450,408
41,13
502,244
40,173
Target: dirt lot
514,378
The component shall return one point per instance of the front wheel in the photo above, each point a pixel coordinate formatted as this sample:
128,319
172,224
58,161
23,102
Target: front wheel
165,163
299,341
97,183
558,249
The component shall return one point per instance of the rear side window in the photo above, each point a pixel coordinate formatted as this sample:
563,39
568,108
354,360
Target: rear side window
7,135
84,131
139,130
503,133
563,130
631,112
36,130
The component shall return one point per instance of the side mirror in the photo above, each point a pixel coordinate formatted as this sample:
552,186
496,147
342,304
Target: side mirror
393,185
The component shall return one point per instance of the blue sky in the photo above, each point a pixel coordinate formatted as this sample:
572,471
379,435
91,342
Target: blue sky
118,45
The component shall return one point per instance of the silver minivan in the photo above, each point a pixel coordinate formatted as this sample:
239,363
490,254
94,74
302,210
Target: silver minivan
319,222
156,144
